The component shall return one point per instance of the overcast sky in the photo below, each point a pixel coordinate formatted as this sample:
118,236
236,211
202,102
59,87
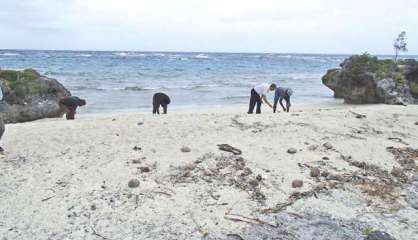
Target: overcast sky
284,26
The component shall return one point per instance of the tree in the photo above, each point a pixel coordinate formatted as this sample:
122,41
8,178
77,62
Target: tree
399,45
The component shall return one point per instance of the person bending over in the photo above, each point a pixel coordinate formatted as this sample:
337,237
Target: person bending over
70,104
160,99
258,95
279,95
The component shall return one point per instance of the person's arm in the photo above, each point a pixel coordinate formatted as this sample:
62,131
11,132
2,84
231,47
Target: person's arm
263,97
281,103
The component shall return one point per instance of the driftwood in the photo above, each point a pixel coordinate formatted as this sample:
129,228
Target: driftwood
229,148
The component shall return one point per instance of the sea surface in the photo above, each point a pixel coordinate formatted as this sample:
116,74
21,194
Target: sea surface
126,81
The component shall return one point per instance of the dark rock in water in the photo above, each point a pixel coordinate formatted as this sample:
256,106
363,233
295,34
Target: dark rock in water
379,235
315,172
297,183
292,150
365,79
133,183
185,149
29,96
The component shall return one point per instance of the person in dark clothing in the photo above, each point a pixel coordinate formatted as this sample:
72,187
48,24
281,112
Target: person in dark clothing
160,99
70,104
258,95
279,95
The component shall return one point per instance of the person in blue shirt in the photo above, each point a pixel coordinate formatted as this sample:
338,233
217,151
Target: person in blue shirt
280,94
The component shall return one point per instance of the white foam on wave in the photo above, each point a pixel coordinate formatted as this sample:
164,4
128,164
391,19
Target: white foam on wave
122,54
202,56
84,55
9,54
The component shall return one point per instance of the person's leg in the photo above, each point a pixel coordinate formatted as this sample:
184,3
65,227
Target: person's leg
252,101
164,108
287,98
259,102
154,108
70,113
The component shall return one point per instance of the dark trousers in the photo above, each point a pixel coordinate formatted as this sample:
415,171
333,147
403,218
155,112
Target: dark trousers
254,99
70,113
156,108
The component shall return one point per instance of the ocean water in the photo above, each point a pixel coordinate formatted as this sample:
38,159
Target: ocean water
126,81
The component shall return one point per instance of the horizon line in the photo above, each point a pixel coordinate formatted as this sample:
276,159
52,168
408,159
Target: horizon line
212,52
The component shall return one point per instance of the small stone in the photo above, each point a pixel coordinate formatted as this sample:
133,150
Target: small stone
259,178
136,161
297,183
325,158
136,148
93,207
397,172
379,235
145,169
416,123
292,150
185,149
324,174
315,172
133,183
328,145
140,123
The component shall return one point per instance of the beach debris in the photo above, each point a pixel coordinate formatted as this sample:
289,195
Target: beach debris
46,199
398,140
358,115
185,149
327,145
315,172
229,148
241,218
292,150
379,235
145,169
297,183
133,183
136,148
113,119
140,123
233,236
313,147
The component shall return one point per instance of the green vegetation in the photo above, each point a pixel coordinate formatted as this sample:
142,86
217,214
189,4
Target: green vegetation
366,63
23,83
331,74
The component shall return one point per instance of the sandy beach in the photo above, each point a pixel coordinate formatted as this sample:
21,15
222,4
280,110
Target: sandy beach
69,179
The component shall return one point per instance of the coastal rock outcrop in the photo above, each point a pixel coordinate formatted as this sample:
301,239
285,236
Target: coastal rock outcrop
364,79
29,96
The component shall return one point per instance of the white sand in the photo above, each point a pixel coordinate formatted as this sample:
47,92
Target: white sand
53,171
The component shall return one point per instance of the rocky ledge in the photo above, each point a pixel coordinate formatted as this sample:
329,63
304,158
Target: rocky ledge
29,96
365,79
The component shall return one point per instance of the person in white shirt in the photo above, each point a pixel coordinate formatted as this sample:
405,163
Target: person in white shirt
258,95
